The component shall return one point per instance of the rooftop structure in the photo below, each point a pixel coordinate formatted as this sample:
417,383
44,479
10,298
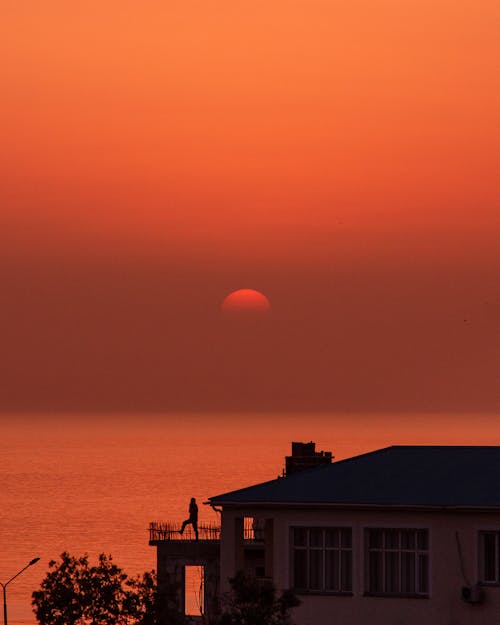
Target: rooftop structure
445,476
304,456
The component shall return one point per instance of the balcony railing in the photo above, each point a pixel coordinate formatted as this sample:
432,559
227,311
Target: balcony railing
160,531
167,530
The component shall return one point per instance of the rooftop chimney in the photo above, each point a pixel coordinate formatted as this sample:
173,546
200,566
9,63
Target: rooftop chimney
304,456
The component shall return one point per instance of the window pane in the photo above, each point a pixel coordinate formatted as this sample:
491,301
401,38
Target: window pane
391,539
375,538
332,538
497,537
408,539
300,568
322,559
332,570
408,572
375,571
346,537
300,536
346,571
422,540
316,538
398,565
489,557
423,574
391,571
316,569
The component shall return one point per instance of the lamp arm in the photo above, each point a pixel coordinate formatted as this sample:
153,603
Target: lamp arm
16,575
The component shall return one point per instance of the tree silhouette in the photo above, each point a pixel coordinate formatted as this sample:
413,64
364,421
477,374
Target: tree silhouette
254,602
75,593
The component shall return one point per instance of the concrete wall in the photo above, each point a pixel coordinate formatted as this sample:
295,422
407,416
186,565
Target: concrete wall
444,606
172,558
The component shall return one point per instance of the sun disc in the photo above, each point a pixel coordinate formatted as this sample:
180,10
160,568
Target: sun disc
246,302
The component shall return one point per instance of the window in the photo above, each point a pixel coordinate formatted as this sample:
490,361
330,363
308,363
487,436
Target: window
254,528
398,562
489,557
322,559
194,590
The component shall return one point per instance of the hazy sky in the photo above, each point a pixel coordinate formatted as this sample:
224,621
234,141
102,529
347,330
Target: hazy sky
340,156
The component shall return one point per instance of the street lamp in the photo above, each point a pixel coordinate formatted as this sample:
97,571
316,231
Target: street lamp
4,586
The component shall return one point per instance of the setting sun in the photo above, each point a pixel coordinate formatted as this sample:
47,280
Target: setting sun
245,301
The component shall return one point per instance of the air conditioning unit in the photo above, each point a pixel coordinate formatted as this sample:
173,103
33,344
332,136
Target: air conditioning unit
473,594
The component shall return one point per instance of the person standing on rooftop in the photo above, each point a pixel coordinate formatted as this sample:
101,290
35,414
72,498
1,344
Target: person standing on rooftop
193,518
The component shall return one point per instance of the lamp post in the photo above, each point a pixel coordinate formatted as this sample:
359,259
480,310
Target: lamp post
4,586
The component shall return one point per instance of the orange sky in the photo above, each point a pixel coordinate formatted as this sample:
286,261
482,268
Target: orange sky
340,156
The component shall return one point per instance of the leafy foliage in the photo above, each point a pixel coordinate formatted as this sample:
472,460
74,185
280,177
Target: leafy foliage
75,593
142,600
254,602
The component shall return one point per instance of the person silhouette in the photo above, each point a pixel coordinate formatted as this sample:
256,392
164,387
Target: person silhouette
193,518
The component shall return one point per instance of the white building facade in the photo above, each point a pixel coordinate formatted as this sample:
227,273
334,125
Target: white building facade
402,536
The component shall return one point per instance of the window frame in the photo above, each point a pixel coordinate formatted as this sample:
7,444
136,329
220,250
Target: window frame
339,549
481,556
419,554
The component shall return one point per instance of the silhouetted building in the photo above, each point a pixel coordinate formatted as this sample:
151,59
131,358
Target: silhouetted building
405,534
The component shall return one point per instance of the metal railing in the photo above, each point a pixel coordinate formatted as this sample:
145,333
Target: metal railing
161,530
167,530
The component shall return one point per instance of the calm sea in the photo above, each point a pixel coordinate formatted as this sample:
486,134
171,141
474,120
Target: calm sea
92,484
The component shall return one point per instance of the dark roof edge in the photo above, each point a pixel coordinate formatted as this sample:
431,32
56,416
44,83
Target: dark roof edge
219,499
348,506
216,500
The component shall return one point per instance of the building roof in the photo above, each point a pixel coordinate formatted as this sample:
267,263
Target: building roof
393,476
